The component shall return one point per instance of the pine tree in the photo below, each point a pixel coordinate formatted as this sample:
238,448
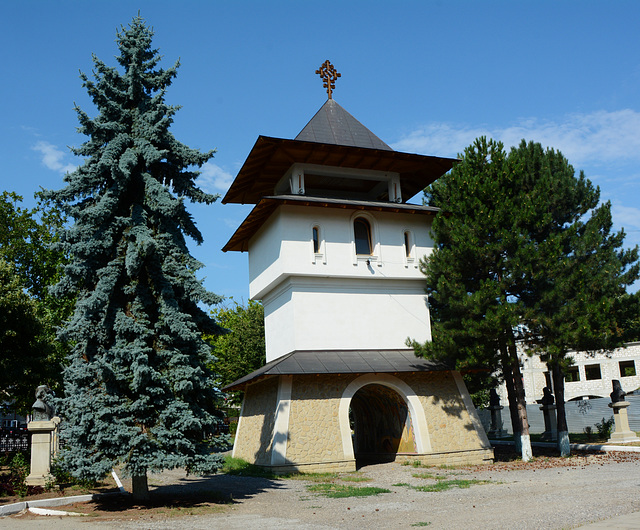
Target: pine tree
576,282
137,389
525,256
470,282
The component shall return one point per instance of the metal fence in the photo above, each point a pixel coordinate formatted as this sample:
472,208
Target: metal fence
14,442
580,414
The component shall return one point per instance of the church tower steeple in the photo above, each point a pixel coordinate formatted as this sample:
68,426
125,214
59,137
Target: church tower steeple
334,252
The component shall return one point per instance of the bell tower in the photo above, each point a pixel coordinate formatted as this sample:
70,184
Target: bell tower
334,252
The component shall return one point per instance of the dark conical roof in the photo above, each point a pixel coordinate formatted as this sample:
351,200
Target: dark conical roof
334,125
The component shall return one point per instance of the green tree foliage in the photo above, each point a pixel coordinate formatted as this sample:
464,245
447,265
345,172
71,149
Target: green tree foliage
524,254
137,389
576,282
23,360
26,239
471,285
242,350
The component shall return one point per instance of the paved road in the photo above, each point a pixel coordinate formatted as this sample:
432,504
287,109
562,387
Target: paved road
597,495
630,521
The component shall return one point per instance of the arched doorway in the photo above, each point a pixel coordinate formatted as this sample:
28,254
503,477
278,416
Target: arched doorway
381,425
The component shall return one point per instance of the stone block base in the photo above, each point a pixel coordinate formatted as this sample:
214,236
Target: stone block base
327,423
347,466
39,480
549,436
624,437
455,458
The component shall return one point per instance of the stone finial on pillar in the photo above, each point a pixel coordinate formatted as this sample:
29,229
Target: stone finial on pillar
622,434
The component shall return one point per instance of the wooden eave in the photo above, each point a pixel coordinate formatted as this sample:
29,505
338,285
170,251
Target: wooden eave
267,205
270,158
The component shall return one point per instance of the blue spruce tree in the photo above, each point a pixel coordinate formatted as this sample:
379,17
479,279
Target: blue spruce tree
137,389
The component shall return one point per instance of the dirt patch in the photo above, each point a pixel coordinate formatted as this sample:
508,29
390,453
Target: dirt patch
507,459
62,490
116,507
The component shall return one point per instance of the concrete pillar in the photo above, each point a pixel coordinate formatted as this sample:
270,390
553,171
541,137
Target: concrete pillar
44,441
623,433
550,422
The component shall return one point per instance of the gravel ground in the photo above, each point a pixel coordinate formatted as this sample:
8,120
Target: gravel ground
545,495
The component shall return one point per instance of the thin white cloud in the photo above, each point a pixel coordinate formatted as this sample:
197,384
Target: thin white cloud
627,216
230,222
597,137
213,178
605,144
53,158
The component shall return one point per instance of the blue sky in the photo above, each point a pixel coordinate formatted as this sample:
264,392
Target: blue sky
425,76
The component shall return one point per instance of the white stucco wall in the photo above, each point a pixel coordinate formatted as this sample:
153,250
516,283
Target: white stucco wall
312,313
335,299
533,370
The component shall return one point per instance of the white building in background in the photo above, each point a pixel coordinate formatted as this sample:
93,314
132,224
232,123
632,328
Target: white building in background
590,376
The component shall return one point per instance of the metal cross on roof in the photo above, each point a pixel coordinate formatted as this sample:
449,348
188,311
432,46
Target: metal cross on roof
329,74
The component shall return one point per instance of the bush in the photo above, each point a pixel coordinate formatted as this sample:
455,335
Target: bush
605,427
63,477
13,482
19,470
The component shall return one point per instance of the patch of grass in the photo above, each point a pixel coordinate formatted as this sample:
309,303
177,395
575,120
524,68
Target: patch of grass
242,468
340,490
427,475
415,463
422,523
401,485
444,485
312,477
448,466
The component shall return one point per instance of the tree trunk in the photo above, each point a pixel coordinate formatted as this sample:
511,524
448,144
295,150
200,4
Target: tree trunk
558,388
140,488
517,402
513,403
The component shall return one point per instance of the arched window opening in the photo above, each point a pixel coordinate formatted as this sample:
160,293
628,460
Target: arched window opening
362,233
407,244
316,240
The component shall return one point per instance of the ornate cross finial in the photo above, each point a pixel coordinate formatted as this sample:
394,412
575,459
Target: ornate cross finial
329,75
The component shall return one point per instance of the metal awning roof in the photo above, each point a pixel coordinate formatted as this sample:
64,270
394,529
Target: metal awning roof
267,205
270,158
310,362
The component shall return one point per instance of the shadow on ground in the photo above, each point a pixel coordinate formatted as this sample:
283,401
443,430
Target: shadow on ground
191,492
